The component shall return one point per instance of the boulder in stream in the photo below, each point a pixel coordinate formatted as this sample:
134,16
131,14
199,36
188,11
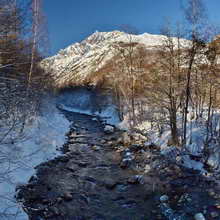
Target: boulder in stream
199,216
108,129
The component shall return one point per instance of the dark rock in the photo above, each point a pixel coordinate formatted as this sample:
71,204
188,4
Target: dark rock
90,179
45,201
151,146
72,167
132,180
83,164
129,204
110,138
67,196
63,159
55,211
180,182
33,179
42,170
214,214
110,184
59,200
135,179
125,163
135,147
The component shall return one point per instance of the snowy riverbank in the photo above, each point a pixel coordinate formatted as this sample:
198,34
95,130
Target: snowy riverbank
41,138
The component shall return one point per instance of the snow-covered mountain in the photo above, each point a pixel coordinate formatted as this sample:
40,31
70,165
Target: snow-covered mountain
75,64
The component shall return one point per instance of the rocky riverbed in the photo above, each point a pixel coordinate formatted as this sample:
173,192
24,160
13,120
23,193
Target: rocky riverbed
103,175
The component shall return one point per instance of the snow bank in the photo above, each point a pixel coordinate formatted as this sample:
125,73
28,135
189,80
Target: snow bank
196,137
84,101
42,137
109,114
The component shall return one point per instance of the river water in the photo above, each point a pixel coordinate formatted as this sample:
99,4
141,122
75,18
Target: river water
87,181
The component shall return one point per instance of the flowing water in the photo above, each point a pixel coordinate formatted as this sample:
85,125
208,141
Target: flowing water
87,182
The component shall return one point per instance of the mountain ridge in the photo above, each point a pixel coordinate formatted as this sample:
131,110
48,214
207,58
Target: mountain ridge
74,64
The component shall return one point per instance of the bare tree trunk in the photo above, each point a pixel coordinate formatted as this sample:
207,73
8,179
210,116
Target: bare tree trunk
188,93
208,123
34,46
173,126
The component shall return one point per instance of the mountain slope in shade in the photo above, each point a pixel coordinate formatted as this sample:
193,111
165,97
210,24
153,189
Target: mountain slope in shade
75,64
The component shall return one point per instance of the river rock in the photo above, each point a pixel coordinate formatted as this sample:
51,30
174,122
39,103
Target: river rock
150,145
125,163
72,166
213,160
127,154
67,196
63,159
96,148
55,210
59,200
199,216
214,214
164,198
83,164
103,141
211,192
147,168
133,180
138,137
43,169
110,184
127,159
135,147
136,179
94,119
108,129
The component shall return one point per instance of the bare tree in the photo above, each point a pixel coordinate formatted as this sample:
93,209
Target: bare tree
130,57
195,15
39,37
164,84
16,63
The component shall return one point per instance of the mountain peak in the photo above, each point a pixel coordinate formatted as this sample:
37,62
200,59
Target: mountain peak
75,64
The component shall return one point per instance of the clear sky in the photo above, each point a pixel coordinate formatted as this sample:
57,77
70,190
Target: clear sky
70,21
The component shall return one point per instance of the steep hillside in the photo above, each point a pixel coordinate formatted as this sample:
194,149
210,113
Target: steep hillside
87,61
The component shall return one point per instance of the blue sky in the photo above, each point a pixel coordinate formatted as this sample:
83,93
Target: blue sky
70,21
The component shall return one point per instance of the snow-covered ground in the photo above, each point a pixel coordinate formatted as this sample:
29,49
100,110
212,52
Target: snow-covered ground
196,137
41,139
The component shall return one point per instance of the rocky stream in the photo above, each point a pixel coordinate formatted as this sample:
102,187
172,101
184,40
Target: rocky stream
102,176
